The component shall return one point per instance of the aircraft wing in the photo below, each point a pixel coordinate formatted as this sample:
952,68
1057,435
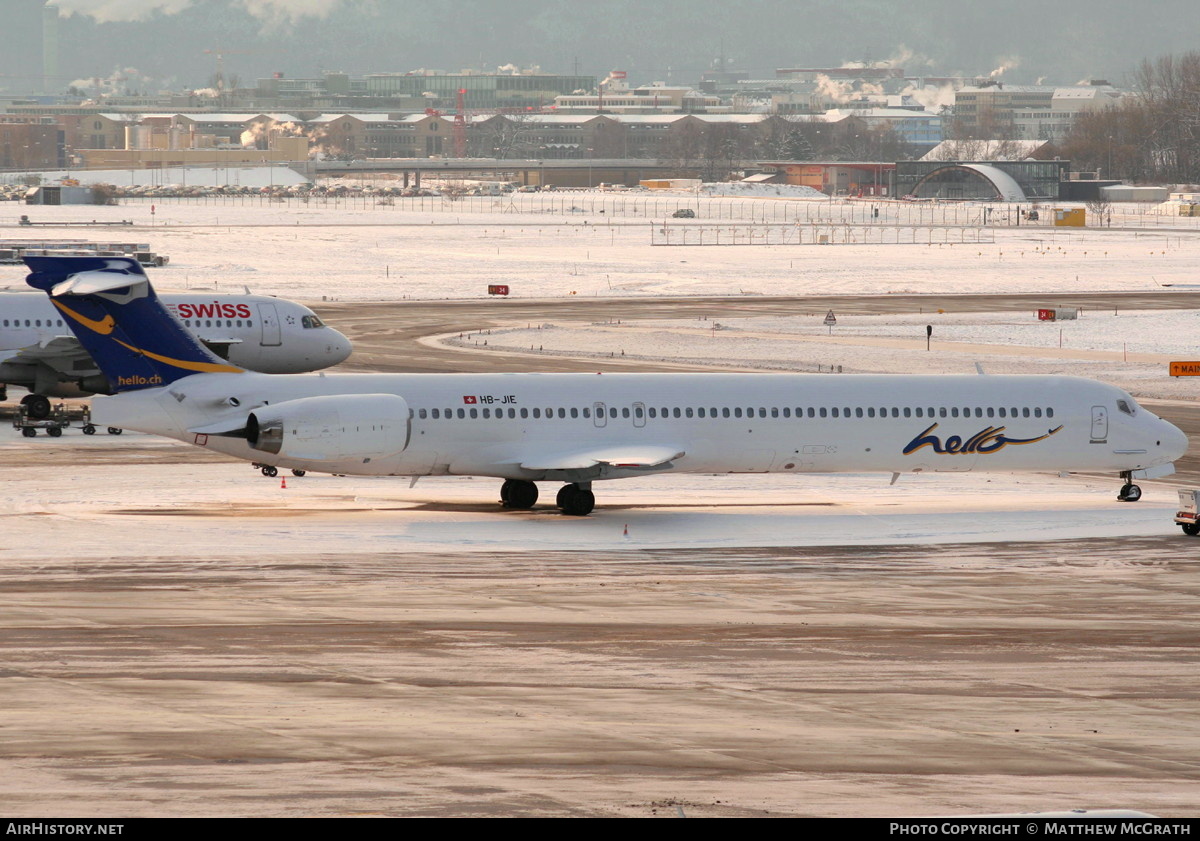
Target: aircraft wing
632,457
61,353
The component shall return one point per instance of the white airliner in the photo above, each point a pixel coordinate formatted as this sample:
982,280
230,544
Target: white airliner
580,428
255,332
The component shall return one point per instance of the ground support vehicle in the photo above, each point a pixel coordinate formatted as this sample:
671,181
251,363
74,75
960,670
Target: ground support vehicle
1188,515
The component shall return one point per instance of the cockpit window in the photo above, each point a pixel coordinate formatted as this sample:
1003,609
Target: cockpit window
310,321
1126,406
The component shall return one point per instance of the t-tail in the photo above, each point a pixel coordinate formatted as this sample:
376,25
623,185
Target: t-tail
110,306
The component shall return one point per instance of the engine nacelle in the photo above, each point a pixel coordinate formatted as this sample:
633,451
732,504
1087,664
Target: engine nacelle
332,428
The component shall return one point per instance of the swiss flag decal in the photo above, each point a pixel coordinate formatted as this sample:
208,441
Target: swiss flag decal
469,398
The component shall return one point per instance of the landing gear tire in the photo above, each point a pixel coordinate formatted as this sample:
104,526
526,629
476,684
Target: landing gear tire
112,430
54,432
1190,529
517,493
296,472
29,432
37,406
89,429
1129,493
269,471
575,501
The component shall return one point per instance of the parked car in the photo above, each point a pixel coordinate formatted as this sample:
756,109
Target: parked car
684,213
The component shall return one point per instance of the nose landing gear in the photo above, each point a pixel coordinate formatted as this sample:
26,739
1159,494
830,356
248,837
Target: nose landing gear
1129,492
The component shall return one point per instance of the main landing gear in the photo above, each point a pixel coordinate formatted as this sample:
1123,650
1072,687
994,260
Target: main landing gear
516,493
574,500
1129,492
37,406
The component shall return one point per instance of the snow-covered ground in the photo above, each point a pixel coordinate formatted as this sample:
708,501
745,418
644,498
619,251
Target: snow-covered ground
432,248
1126,348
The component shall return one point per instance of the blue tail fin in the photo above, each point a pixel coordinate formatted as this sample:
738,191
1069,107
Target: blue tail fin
109,304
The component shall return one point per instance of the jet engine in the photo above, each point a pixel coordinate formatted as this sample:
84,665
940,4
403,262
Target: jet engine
331,428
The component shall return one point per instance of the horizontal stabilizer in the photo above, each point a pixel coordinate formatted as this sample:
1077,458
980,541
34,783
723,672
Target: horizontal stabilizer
89,283
633,457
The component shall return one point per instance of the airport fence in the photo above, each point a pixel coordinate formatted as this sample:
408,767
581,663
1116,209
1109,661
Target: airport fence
666,234
598,207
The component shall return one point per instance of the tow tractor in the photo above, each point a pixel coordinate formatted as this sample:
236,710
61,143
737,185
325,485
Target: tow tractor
60,418
1188,515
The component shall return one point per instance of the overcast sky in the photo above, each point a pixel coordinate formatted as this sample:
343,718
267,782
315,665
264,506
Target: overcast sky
1062,41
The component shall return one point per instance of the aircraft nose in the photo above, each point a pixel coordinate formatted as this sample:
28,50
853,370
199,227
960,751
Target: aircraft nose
1174,442
338,348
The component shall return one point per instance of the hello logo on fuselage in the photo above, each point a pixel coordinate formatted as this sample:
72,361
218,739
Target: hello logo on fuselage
986,441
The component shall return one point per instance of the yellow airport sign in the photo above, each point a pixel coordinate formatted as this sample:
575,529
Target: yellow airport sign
1185,369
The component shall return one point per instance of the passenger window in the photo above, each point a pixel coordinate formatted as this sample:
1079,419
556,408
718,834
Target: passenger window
701,412
823,412
813,412
575,412
774,412
1037,412
487,413
870,411
990,412
612,413
858,413
835,411
724,411
787,411
737,411
462,414
474,413
524,413
1003,412
675,412
421,414
907,412
637,412
625,411
587,412
1025,412
562,413
688,411
1049,413
954,412
537,413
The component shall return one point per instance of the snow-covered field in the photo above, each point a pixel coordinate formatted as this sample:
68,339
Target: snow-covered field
363,251
1130,349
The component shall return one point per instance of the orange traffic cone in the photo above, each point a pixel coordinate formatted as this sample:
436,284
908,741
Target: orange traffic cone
283,483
